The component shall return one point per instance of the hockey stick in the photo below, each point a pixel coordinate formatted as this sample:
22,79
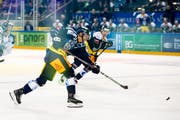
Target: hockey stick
59,8
123,86
98,54
101,52
9,11
110,78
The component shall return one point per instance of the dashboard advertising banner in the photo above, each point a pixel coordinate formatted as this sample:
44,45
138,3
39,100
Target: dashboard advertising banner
171,43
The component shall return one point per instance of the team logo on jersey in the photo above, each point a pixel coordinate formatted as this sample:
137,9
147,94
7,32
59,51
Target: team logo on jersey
58,65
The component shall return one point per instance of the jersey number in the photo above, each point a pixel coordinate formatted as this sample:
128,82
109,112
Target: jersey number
58,39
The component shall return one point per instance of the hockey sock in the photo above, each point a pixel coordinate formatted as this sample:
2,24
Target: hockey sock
80,74
30,86
71,90
70,82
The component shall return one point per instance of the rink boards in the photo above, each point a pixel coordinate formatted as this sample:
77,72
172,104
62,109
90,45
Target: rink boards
136,43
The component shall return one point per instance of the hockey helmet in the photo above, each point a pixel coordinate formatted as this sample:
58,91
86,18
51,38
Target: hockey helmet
97,35
86,30
6,24
82,30
79,30
97,38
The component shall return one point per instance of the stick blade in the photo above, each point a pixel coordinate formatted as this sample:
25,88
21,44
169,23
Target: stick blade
124,86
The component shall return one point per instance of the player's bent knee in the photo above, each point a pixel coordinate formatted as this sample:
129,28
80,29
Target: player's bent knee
69,73
41,81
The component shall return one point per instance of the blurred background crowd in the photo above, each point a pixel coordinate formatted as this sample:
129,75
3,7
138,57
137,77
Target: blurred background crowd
117,15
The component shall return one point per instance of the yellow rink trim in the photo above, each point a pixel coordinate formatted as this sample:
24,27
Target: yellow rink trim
152,53
30,47
37,28
109,51
43,48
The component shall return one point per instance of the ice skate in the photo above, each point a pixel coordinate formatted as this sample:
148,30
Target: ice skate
74,103
16,96
2,60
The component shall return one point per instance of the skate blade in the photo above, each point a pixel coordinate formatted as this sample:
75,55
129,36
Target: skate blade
2,60
13,97
72,105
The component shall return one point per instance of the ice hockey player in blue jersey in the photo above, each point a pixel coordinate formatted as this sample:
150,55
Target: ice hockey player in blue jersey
77,48
6,39
93,45
80,51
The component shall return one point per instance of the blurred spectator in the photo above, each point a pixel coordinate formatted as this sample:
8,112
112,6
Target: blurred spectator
78,25
122,26
157,5
95,25
84,23
71,24
169,14
93,15
111,5
176,27
104,23
63,20
28,9
166,26
57,25
42,9
143,20
106,14
112,26
163,5
28,26
152,26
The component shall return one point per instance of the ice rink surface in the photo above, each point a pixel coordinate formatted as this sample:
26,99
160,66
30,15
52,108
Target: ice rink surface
151,79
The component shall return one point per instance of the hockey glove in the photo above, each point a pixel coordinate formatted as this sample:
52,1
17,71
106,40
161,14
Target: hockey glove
109,43
96,69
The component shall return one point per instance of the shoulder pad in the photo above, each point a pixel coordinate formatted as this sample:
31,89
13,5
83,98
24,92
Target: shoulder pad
72,32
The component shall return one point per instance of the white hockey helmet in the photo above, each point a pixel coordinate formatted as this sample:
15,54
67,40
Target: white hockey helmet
97,35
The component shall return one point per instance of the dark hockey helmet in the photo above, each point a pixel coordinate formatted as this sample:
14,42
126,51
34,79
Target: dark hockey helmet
79,30
86,30
82,30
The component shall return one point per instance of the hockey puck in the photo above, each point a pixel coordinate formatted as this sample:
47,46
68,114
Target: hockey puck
167,98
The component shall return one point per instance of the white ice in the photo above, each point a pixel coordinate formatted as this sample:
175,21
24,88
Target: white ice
151,79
